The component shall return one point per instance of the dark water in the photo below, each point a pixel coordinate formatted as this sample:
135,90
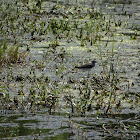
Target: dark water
15,125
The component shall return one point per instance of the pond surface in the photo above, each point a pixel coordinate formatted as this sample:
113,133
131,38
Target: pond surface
15,125
43,97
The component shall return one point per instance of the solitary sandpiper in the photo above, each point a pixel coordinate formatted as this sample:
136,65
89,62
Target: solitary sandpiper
87,66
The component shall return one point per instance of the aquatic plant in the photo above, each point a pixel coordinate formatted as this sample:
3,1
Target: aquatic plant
101,95
3,48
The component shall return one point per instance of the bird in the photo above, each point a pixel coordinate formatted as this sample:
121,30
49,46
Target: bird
87,66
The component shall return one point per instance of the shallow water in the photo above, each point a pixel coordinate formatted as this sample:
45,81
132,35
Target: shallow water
40,125
36,123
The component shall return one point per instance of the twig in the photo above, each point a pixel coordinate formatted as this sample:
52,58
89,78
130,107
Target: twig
107,130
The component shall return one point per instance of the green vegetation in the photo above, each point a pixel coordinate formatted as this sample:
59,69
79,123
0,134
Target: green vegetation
103,94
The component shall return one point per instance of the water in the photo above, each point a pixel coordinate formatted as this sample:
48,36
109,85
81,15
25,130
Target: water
34,121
